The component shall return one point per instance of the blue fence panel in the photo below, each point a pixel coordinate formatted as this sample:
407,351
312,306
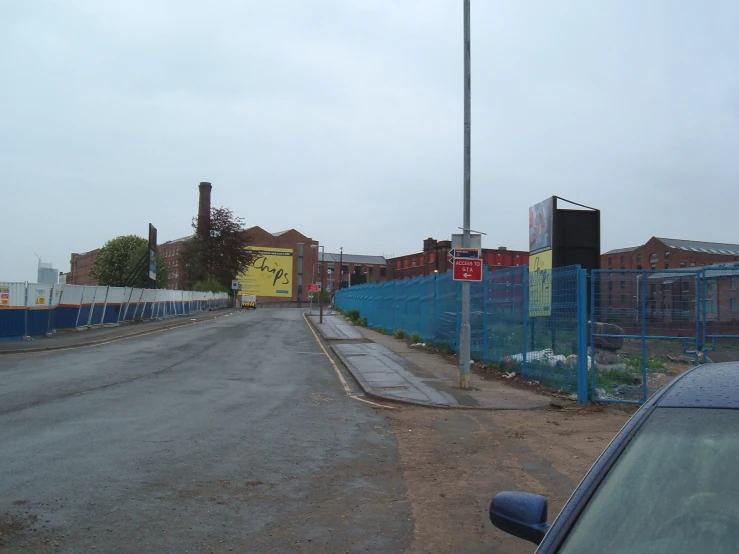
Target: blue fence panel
400,300
427,308
446,332
553,328
477,317
505,314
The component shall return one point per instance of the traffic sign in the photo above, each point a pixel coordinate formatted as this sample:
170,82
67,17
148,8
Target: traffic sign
235,284
465,252
314,287
467,269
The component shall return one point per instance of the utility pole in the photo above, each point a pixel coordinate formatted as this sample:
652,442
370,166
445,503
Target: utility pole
464,346
341,267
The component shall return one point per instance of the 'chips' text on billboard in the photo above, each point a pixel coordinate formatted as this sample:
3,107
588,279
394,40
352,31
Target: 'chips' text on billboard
270,274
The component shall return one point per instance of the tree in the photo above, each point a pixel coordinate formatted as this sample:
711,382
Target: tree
123,262
113,261
138,272
220,256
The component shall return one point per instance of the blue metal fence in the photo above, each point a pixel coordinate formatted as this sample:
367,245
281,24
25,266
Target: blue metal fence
651,325
543,339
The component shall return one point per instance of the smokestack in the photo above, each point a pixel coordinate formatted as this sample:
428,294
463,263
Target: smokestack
204,209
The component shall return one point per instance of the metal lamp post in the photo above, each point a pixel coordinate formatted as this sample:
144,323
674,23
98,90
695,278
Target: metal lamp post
323,284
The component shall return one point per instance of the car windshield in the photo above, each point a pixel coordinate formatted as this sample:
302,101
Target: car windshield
675,489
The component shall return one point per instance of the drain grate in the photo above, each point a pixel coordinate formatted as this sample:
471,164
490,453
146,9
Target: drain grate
398,387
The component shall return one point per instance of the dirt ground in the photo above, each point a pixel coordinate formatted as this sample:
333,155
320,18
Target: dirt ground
454,461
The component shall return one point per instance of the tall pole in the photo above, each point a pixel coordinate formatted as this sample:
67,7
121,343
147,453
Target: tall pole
464,346
323,285
341,267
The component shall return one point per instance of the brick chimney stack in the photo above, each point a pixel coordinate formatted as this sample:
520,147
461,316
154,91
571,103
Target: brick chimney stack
204,209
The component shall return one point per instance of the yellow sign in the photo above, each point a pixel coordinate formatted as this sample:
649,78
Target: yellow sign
270,274
4,296
540,284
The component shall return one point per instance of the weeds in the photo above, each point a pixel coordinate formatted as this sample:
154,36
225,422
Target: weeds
415,338
399,334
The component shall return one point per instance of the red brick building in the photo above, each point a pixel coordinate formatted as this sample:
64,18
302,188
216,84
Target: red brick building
660,253
433,259
344,270
80,266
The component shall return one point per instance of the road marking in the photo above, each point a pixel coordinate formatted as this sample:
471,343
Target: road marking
347,390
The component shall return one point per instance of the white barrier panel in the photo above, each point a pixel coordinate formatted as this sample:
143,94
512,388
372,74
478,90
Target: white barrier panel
116,295
38,296
71,295
88,294
12,295
56,295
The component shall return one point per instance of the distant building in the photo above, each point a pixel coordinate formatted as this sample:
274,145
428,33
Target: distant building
80,266
62,278
345,270
661,253
433,259
47,275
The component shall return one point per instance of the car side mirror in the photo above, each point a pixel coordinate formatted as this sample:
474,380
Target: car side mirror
522,514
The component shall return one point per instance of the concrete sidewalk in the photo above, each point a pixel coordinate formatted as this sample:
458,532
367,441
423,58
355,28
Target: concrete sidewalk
72,338
389,369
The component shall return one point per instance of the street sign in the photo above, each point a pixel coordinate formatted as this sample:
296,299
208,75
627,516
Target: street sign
467,269
475,240
314,287
465,252
235,284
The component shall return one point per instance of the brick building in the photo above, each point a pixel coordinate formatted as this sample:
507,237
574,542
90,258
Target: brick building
80,266
660,253
169,252
344,270
433,259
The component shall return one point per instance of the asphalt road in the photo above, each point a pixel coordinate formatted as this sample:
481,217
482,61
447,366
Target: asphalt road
227,436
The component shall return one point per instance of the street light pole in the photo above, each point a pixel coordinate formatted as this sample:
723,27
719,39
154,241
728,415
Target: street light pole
464,347
323,281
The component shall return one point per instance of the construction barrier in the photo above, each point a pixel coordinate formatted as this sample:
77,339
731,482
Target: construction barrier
32,310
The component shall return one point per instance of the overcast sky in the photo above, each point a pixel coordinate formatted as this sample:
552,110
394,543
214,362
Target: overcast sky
343,119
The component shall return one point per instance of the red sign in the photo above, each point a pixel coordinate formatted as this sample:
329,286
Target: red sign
314,287
467,269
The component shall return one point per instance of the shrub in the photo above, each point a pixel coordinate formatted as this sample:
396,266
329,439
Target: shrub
381,330
399,334
353,314
363,322
415,338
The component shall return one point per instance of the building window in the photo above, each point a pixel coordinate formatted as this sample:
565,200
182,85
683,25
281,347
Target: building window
682,264
623,259
653,258
711,287
735,304
638,266
667,265
734,283
692,264
623,284
639,258
711,306
653,266
383,271
667,255
610,300
610,262
610,285
344,269
623,299
371,269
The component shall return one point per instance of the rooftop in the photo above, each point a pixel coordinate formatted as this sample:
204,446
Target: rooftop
353,259
702,247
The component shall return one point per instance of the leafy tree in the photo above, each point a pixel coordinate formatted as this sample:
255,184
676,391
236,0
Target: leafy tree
113,261
118,264
220,256
138,273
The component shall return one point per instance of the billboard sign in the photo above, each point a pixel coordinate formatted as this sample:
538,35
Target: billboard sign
152,252
270,273
541,225
540,284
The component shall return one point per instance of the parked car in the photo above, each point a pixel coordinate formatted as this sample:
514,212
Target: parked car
667,483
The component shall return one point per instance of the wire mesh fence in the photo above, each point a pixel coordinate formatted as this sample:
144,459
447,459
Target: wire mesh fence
538,340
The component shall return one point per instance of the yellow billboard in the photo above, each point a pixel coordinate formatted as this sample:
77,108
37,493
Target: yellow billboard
540,284
270,274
